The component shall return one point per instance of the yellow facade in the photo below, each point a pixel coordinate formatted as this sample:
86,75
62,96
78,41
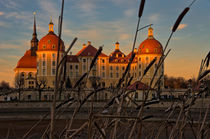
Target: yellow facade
107,71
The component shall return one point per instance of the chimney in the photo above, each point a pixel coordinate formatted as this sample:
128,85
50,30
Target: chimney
84,45
89,43
135,50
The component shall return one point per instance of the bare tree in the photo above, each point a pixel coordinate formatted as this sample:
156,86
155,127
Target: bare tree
19,85
4,85
41,83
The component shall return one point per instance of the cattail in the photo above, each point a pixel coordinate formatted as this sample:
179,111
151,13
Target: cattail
147,117
150,65
95,57
89,95
63,103
158,81
77,83
178,21
111,102
207,59
141,8
206,72
148,103
129,82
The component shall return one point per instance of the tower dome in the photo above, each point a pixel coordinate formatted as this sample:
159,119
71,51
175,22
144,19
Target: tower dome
50,41
150,45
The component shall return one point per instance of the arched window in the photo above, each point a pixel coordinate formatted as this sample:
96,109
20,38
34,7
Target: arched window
53,46
147,59
30,75
22,74
44,46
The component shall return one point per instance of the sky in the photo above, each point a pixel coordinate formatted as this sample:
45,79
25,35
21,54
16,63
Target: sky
104,22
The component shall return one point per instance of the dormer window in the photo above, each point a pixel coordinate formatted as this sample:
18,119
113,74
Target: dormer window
155,50
53,46
89,53
49,41
44,46
147,50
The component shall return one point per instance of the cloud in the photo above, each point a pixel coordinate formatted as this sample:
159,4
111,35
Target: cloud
11,4
3,24
1,13
154,18
50,7
182,26
16,45
129,12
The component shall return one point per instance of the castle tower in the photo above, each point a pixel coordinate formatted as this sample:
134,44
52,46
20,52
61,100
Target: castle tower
34,40
47,56
149,49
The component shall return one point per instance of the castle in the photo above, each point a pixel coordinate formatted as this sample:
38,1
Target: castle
39,62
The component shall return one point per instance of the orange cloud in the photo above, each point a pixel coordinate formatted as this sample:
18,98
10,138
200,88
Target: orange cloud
1,13
181,26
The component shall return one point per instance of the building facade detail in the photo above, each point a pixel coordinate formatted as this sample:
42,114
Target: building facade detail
39,62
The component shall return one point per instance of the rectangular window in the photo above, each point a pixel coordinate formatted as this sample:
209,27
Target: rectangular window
117,75
103,67
53,71
103,74
71,74
110,67
77,74
117,68
43,55
84,67
71,67
43,72
111,75
43,63
76,67
53,63
53,55
84,60
102,60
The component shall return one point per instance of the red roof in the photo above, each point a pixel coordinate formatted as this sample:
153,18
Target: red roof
117,53
27,61
72,59
150,46
138,86
89,51
50,42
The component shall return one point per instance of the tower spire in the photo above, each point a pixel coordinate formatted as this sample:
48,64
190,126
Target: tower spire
34,31
51,25
34,40
150,32
117,44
